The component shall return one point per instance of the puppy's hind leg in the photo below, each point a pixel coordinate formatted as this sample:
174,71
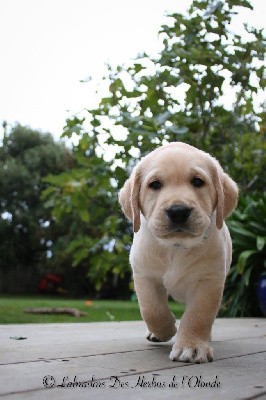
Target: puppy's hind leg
153,302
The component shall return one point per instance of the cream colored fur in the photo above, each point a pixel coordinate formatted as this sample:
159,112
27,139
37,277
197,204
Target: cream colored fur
189,264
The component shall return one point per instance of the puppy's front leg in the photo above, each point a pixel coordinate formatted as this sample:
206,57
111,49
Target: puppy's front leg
153,302
194,332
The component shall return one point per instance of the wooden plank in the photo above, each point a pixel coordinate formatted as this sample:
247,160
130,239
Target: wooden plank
105,349
72,340
29,376
237,377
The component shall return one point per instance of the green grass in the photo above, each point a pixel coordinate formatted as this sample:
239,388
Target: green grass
12,310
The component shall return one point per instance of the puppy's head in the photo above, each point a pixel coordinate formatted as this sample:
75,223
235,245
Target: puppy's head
180,191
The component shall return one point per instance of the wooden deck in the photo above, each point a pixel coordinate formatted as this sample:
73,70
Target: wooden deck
114,361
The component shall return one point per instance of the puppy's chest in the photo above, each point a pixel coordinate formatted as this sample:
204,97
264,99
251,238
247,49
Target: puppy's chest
179,279
176,284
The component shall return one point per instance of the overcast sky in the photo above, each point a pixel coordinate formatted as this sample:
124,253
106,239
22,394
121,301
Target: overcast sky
48,46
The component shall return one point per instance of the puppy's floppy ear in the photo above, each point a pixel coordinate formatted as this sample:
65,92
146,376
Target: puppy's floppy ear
230,195
129,199
227,195
220,199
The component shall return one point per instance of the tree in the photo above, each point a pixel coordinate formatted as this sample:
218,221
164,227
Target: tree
26,227
201,58
202,55
96,236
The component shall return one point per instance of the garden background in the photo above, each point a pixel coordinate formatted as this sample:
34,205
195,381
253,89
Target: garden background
59,212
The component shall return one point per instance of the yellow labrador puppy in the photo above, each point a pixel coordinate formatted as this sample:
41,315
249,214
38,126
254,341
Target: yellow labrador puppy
178,198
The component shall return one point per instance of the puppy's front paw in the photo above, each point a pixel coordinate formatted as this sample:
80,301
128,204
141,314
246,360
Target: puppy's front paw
151,337
198,353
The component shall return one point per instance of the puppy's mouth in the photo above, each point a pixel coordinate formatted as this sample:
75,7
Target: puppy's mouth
179,231
164,229
170,231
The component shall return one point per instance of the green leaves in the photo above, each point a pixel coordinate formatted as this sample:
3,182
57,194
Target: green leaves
260,243
241,3
248,232
26,156
179,94
79,248
85,200
242,260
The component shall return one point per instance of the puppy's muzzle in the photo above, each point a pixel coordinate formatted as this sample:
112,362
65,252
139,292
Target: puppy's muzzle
178,214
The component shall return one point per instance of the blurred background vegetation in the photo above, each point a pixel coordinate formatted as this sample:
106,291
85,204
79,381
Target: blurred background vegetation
59,209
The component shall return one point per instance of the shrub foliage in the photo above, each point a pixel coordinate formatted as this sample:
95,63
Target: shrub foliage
200,89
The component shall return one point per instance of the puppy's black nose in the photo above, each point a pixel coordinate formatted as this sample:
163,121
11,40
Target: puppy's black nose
178,214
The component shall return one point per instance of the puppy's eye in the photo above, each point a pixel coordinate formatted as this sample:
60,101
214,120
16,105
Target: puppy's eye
197,182
155,185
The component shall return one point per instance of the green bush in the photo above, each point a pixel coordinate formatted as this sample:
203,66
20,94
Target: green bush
143,108
248,231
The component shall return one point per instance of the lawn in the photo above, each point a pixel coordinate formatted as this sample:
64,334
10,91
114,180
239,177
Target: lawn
12,310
